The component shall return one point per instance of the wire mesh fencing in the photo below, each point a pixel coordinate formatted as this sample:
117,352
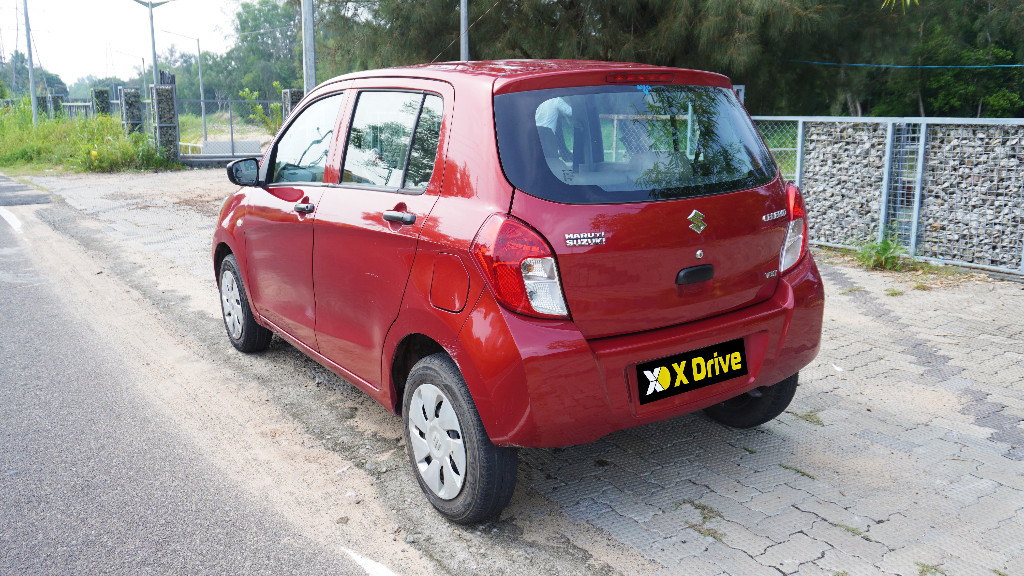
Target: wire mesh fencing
947,189
227,127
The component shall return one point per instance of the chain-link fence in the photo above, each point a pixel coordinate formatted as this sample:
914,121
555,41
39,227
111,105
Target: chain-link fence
949,189
227,128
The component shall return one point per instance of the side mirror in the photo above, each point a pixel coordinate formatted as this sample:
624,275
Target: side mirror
244,172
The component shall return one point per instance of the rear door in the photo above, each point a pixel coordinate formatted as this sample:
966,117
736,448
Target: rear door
661,203
367,227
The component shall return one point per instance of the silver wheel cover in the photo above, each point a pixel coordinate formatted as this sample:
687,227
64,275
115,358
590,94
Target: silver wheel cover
231,304
436,440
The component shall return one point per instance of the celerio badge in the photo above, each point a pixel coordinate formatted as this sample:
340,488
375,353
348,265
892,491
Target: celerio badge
697,221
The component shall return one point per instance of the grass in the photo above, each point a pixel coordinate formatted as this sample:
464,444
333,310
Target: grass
749,450
810,416
852,289
79,144
706,531
798,471
926,569
893,292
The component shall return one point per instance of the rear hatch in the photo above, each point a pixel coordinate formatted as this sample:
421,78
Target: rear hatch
661,203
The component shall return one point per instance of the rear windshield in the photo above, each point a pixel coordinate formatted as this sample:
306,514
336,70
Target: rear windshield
610,144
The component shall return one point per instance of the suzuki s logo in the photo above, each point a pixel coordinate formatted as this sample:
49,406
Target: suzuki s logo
697,219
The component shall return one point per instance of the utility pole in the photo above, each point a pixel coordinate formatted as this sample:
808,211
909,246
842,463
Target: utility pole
308,48
199,55
31,73
464,31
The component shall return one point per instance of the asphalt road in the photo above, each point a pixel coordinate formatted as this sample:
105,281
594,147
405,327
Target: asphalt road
93,478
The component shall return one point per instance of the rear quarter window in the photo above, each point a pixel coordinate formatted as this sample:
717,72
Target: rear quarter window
612,144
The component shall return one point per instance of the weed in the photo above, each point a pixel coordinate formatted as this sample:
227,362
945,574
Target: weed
926,569
749,450
850,529
884,254
1000,572
810,416
852,289
798,471
893,292
89,144
706,512
843,573
922,286
705,531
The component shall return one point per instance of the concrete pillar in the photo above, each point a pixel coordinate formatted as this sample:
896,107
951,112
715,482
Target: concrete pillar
291,99
100,101
165,120
131,110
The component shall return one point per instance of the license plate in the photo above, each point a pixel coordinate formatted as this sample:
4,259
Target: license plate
691,370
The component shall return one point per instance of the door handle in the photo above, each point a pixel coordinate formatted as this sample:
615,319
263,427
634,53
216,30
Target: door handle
304,208
400,217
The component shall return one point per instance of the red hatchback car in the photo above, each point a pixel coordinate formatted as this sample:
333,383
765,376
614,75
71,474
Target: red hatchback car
525,253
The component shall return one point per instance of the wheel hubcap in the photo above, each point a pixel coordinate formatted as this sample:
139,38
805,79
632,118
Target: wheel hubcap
435,436
231,304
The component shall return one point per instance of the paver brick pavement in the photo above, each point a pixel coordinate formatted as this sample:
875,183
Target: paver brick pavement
914,463
920,398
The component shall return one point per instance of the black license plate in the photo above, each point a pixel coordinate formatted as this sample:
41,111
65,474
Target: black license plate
691,370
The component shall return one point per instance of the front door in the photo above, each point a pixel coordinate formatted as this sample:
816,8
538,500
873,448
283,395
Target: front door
278,225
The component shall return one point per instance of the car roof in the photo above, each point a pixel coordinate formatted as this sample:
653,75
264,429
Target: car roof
515,75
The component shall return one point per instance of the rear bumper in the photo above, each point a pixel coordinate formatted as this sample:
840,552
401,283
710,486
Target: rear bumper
555,388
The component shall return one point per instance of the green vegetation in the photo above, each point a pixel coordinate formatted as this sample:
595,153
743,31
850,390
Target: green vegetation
810,416
272,122
885,254
94,145
928,569
893,292
797,470
852,289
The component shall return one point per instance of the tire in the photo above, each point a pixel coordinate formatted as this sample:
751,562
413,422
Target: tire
463,475
243,331
755,407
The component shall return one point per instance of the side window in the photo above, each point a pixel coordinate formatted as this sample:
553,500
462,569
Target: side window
383,127
301,154
424,143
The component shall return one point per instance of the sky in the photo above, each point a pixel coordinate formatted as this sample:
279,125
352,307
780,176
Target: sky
78,38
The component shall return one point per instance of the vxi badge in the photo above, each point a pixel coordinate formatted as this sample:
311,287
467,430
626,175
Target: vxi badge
691,370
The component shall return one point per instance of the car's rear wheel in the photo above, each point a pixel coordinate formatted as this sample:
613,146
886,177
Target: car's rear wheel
755,407
464,476
244,332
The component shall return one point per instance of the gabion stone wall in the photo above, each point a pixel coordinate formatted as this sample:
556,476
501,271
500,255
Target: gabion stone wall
165,121
972,205
290,99
131,110
843,169
100,101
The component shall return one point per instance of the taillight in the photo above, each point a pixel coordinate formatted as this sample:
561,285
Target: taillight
520,267
796,235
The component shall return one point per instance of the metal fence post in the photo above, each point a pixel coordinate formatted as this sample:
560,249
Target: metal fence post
887,168
922,146
800,154
231,124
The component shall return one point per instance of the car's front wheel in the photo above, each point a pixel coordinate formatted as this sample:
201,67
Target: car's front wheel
464,476
244,332
755,407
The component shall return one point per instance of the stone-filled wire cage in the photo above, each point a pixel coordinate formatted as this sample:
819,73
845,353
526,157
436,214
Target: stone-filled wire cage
950,189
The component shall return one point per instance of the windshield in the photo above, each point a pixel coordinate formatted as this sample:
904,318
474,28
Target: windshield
610,144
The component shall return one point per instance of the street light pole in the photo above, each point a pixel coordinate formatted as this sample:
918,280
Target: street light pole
152,34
